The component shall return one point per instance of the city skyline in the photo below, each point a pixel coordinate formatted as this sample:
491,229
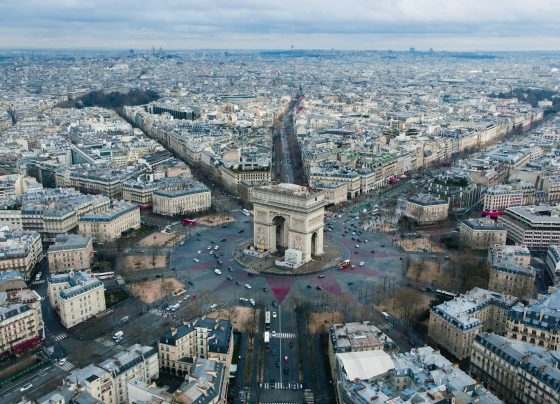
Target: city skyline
246,24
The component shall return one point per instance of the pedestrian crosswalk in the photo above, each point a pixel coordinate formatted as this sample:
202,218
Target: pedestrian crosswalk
60,336
68,366
279,386
106,342
384,326
285,335
38,282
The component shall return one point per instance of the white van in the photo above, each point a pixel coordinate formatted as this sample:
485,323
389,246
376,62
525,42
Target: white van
118,335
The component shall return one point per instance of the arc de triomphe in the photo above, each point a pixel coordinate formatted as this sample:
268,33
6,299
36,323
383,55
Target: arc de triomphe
289,216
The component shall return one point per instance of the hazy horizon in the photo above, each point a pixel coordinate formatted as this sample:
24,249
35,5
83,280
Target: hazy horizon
477,25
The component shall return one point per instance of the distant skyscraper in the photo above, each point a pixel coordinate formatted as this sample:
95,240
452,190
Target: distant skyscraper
412,50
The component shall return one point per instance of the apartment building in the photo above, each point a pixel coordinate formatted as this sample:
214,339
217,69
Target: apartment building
75,296
335,193
497,199
422,375
538,322
205,384
510,270
21,322
426,209
536,227
231,178
50,211
108,381
111,224
552,264
480,234
454,324
516,371
70,252
20,251
198,338
139,192
194,197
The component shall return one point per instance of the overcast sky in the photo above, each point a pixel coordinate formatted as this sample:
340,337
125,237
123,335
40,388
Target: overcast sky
250,24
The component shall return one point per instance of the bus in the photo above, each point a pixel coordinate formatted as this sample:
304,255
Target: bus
246,212
189,222
104,275
267,320
444,294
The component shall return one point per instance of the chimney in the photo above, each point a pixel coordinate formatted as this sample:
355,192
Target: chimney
173,331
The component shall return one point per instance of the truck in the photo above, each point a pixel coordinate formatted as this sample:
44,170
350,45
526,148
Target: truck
344,264
174,307
267,339
118,335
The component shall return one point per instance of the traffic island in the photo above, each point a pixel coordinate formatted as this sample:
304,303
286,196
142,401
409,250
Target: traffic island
266,264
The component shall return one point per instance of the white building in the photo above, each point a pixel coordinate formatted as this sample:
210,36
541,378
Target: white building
111,224
76,296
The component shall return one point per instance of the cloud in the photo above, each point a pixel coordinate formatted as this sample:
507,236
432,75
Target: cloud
273,24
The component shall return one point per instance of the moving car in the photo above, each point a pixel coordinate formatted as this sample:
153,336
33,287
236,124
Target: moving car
25,387
217,271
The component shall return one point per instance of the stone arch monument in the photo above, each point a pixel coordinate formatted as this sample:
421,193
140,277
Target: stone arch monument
289,218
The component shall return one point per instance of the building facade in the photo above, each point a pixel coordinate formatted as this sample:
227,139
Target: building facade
454,324
517,372
76,296
195,198
70,252
426,209
111,224
21,322
480,234
198,338
20,251
510,271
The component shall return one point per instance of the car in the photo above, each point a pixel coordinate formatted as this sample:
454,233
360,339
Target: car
318,287
196,260
241,231
212,241
220,262
350,283
250,274
230,269
229,278
273,351
357,246
208,248
291,344
216,247
286,370
247,286
181,243
238,283
223,240
190,283
273,314
265,290
353,238
321,276
361,263
285,358
355,252
273,333
252,301
352,266
25,387
272,384
383,245
373,251
62,361
274,304
294,386
211,252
